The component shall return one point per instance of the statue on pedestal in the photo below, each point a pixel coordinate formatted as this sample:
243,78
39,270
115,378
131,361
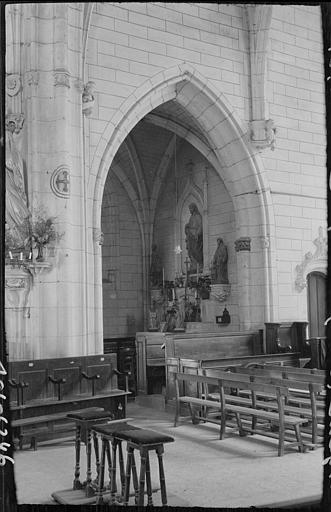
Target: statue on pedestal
17,212
194,237
219,267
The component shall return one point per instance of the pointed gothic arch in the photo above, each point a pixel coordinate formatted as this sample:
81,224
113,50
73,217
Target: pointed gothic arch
239,167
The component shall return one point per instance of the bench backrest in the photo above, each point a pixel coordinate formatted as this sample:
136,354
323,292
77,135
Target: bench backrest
279,372
36,374
225,379
214,345
301,371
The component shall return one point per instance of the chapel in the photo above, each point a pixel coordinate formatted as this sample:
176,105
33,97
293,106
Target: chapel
165,224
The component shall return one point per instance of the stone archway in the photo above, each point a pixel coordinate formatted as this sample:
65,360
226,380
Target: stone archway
239,167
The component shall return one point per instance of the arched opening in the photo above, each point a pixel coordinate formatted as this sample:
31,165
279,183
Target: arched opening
184,117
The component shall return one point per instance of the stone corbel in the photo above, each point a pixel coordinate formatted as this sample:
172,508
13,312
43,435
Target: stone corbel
17,119
18,283
263,134
88,98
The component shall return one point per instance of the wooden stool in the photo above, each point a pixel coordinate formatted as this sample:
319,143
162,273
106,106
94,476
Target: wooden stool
84,421
144,441
107,436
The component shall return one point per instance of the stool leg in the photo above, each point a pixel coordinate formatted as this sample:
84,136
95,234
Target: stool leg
77,484
101,477
159,452
143,459
96,451
113,473
148,482
89,490
135,479
121,465
127,475
109,460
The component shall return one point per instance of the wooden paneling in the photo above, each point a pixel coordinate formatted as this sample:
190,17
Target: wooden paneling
316,304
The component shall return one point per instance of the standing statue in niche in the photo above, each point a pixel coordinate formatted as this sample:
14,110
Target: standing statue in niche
156,268
219,267
194,237
16,201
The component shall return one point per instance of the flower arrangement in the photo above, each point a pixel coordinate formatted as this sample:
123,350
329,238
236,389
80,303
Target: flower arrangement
43,232
37,231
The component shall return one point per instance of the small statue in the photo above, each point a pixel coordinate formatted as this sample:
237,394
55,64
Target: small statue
155,272
226,319
194,237
219,267
17,212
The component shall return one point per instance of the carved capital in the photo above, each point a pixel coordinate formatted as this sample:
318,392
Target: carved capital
243,244
61,78
14,119
311,260
13,84
263,134
31,78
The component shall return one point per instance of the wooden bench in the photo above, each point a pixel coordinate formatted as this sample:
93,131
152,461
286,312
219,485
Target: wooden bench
223,407
42,424
298,397
312,389
188,365
49,389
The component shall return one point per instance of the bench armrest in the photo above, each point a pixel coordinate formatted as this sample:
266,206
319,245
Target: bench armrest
126,376
93,378
57,382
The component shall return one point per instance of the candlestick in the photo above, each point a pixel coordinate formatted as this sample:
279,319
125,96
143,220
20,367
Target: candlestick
163,277
197,272
10,255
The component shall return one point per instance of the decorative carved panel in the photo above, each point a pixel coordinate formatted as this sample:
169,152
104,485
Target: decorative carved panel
243,244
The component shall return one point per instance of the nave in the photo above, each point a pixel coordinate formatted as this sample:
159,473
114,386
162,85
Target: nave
200,469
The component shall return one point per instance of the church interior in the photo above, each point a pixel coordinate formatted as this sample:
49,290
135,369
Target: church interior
166,253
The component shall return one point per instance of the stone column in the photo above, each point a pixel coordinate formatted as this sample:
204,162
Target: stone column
243,248
52,98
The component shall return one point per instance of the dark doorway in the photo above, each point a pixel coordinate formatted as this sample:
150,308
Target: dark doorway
316,304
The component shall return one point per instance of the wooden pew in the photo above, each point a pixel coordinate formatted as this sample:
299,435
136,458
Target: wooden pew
224,406
310,385
189,365
49,389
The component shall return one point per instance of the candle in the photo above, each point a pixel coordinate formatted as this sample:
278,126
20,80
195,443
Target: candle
197,272
30,255
173,294
10,255
163,277
21,256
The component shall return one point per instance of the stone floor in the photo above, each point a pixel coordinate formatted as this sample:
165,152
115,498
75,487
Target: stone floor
200,469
